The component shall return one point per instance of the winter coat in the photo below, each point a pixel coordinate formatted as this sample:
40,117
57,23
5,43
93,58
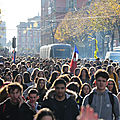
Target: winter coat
8,111
70,110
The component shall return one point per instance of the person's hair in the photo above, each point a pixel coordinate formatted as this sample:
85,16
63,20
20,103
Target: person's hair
38,82
66,77
77,79
105,62
117,71
87,65
50,94
87,73
53,76
32,91
75,71
91,69
101,73
114,90
109,67
57,68
52,61
41,71
44,112
114,64
14,73
13,65
1,82
22,62
46,72
81,92
7,62
6,71
13,86
59,81
74,86
16,79
26,77
3,93
64,66
33,74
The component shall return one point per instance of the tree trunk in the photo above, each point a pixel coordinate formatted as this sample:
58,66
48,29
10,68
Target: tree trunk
119,34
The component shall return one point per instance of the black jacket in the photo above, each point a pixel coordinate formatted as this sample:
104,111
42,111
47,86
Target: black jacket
8,111
70,109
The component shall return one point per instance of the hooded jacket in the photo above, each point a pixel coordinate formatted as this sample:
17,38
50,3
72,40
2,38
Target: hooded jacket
102,105
8,111
70,109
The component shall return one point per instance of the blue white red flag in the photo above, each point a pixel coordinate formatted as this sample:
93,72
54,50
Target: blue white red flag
73,63
13,56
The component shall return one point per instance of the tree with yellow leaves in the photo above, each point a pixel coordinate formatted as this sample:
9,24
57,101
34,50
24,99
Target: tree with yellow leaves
100,15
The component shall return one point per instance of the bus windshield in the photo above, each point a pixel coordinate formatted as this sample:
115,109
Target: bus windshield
62,52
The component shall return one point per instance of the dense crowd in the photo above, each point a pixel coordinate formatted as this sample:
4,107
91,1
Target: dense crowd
44,89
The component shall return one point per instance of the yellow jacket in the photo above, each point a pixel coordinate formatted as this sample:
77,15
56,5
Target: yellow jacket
115,77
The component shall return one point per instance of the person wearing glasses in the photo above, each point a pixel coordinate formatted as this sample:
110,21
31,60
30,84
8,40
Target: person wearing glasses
104,103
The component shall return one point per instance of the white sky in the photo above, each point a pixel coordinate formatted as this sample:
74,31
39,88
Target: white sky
16,11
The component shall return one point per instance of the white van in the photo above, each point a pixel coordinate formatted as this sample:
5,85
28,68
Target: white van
115,56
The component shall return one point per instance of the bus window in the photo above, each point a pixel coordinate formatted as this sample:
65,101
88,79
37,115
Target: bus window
55,51
62,52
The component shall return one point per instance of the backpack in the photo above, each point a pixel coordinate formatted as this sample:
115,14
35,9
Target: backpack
110,96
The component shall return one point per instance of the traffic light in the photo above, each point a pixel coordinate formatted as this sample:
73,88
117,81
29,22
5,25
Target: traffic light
14,42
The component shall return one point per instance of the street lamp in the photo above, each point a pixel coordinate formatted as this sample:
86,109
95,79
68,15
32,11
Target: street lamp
93,44
14,46
107,41
53,29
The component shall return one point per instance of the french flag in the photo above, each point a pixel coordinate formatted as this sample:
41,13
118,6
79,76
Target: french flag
13,56
73,63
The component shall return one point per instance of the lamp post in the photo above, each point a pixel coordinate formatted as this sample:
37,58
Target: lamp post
52,33
53,30
107,41
93,44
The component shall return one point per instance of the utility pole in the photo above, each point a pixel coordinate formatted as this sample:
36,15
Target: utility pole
14,46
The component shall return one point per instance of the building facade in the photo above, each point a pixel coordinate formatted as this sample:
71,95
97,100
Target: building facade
3,33
28,36
52,12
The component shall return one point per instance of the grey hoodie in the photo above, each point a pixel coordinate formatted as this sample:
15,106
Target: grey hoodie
102,105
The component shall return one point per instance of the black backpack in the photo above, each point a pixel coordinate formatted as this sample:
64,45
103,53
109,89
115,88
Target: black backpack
110,96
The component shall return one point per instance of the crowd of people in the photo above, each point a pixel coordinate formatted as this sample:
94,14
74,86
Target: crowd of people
44,89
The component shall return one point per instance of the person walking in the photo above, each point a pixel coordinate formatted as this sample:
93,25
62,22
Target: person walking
101,99
15,108
62,105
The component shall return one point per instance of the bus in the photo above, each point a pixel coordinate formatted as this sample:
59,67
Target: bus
55,51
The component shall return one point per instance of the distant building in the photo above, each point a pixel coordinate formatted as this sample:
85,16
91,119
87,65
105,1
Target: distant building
28,36
52,12
3,33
